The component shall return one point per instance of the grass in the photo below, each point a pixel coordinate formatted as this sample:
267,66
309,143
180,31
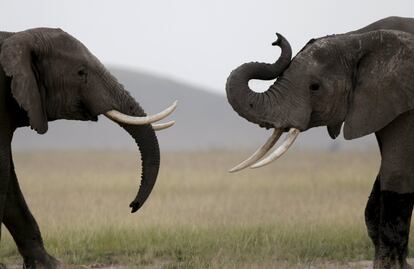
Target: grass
304,209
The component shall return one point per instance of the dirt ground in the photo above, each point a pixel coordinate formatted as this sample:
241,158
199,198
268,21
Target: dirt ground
324,265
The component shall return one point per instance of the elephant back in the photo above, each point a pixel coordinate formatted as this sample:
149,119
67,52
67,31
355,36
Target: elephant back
3,36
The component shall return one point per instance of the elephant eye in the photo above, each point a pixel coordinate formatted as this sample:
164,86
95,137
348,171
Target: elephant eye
83,74
314,87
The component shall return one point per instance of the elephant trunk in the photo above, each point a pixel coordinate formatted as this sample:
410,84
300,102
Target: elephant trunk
145,138
147,143
250,104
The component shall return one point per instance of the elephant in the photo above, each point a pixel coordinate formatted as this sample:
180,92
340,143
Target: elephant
363,80
46,74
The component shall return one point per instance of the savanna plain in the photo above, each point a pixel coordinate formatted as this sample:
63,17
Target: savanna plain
303,211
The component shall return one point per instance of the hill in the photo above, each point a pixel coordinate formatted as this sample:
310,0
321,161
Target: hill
204,121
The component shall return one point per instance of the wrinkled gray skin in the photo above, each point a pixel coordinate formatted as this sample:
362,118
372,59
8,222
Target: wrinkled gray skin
45,75
364,80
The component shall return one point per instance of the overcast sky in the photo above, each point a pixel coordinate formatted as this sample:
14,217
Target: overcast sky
195,41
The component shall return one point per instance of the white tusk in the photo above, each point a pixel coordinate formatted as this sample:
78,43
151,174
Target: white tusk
162,126
290,138
131,120
260,152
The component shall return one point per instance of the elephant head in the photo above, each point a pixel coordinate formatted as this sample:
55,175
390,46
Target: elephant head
54,76
363,80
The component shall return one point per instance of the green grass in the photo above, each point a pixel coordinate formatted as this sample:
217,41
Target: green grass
228,247
304,209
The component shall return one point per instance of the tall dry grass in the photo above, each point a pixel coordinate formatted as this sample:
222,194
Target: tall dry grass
304,208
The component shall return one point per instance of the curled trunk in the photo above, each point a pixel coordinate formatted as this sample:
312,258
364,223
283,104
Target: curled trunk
245,102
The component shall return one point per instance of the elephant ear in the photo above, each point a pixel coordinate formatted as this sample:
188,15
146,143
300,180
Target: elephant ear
16,59
383,84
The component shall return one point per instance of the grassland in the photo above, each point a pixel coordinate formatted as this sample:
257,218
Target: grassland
305,209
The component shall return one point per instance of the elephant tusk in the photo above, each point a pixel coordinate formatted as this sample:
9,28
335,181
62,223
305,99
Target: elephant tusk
260,152
162,126
131,120
290,138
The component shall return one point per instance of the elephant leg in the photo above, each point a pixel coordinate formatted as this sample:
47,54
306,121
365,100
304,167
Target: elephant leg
372,216
24,229
5,164
395,218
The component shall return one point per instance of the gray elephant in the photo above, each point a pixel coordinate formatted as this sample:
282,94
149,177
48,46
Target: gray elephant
47,75
364,79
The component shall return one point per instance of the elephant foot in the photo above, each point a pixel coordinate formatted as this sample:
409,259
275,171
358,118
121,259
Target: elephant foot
388,264
45,261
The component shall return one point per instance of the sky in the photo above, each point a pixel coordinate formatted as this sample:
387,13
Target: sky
198,42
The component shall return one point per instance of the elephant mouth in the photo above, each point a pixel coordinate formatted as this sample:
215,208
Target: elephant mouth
90,117
269,126
87,117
